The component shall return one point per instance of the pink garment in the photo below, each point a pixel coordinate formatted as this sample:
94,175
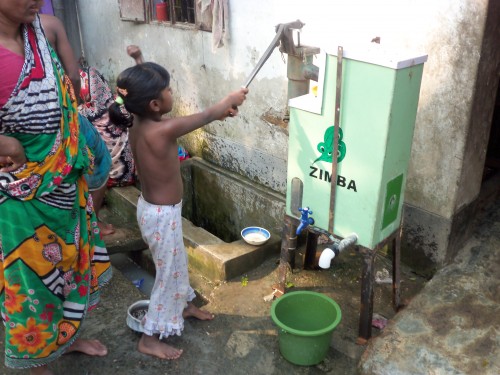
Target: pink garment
11,65
161,229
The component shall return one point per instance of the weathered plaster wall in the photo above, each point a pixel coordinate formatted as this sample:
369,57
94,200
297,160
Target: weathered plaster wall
246,144
454,46
453,124
443,174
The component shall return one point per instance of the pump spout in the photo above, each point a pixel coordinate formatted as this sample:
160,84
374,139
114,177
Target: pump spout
303,225
328,254
310,71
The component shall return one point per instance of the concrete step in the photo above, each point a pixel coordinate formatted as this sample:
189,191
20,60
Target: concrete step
124,240
127,237
215,259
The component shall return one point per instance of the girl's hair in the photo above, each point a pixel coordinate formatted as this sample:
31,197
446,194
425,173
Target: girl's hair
136,87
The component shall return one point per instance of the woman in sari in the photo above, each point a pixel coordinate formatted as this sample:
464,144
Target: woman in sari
98,180
52,260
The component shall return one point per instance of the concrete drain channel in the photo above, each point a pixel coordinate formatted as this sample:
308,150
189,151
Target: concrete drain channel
142,279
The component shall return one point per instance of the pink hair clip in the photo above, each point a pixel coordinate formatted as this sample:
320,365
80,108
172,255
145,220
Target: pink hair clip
122,92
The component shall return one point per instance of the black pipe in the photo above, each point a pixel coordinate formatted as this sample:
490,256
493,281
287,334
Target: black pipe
288,247
310,262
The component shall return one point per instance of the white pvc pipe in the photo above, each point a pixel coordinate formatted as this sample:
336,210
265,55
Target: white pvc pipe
348,242
326,258
328,254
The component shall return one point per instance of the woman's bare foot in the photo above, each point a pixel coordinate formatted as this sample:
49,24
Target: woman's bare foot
192,311
105,229
42,370
151,345
89,347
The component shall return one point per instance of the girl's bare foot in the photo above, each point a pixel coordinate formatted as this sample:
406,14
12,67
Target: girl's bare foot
192,311
89,347
42,370
151,345
105,229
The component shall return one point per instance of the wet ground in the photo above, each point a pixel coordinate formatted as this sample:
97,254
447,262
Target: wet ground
450,326
242,339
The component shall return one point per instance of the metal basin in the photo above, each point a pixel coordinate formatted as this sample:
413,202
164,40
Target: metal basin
136,313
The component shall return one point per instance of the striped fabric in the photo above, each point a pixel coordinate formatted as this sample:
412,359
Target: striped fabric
52,259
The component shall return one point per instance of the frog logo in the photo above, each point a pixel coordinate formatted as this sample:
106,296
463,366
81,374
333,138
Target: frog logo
326,147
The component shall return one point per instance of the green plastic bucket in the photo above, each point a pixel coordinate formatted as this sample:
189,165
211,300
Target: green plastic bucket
305,321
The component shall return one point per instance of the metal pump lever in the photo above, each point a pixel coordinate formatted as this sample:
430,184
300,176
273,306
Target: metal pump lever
283,29
282,34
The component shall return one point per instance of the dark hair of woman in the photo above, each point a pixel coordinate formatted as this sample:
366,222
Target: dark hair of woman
136,87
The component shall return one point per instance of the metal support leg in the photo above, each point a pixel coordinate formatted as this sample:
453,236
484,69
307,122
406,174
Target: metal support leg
288,246
366,309
368,279
396,272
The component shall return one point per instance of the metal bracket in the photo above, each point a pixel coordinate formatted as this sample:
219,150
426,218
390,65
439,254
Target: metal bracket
335,152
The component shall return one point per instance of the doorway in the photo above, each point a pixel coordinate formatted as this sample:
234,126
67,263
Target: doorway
492,163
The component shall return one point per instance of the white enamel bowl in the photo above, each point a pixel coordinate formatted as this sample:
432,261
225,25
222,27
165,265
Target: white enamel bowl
255,235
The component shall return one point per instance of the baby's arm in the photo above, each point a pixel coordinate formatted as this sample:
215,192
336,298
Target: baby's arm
12,154
136,53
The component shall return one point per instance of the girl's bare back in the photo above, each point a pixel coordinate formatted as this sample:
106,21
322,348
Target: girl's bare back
157,162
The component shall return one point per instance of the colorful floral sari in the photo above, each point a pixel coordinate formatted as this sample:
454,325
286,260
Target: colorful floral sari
97,97
52,259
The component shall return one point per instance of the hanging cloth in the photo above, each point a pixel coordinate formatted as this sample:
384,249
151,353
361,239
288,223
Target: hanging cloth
220,20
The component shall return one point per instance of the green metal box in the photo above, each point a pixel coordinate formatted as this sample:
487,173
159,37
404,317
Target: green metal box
379,99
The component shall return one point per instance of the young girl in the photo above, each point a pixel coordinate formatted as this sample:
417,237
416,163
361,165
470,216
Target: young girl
144,97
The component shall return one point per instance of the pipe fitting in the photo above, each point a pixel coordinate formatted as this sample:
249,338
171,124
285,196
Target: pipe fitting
348,241
326,257
328,254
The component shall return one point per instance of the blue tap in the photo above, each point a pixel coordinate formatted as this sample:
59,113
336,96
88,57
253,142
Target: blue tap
305,220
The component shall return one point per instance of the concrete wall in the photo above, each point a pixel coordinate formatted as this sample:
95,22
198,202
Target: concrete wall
453,126
449,142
